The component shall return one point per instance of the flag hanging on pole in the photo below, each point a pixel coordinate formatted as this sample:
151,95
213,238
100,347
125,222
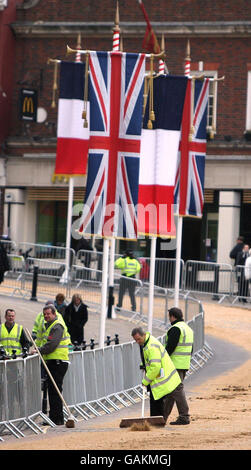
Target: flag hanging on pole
116,99
72,136
189,189
150,42
159,155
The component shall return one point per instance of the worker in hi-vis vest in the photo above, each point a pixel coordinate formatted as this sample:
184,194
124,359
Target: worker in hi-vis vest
179,345
12,335
129,267
161,378
55,351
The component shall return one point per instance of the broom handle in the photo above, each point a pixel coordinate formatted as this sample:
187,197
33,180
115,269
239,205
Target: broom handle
143,402
47,370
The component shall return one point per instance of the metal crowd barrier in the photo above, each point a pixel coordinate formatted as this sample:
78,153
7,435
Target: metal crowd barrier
97,382
219,280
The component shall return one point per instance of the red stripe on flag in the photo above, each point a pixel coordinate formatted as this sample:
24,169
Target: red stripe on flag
71,158
155,210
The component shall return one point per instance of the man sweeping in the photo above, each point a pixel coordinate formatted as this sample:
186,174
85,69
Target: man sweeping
161,378
55,352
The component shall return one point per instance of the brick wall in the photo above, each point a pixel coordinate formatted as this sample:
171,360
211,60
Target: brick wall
231,54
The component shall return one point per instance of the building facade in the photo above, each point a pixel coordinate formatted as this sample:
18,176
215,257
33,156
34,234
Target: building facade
33,207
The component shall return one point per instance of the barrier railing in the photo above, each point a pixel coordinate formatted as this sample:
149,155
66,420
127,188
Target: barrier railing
220,280
97,382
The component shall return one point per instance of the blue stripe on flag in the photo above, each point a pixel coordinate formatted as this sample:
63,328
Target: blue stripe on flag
169,93
72,80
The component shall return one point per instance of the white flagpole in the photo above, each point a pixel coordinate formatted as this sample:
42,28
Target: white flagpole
104,292
110,310
151,283
178,259
68,230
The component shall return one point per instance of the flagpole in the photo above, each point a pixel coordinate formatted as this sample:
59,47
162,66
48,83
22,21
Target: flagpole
187,70
151,283
110,313
178,260
115,47
104,292
68,230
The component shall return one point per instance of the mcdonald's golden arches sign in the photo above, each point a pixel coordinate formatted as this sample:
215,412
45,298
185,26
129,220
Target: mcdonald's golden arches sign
28,104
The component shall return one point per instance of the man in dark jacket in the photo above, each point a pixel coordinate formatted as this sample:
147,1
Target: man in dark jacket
237,249
4,262
243,284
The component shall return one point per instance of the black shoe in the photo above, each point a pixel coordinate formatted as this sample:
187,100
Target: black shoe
180,421
58,422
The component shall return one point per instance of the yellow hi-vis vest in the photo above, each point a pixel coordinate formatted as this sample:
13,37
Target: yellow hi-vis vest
62,350
161,374
181,356
129,266
39,327
11,340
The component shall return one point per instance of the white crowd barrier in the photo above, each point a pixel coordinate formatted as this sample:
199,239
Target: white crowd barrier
219,280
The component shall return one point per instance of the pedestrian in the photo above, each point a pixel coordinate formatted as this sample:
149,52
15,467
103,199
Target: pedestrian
243,284
4,262
75,317
161,378
12,335
236,249
179,346
129,267
60,303
55,352
248,270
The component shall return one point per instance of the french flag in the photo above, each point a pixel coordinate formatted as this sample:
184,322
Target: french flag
159,157
72,136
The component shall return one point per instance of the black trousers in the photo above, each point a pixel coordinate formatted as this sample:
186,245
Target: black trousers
124,284
76,333
164,405
58,370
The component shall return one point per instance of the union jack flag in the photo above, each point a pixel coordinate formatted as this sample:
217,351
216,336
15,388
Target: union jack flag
189,187
116,100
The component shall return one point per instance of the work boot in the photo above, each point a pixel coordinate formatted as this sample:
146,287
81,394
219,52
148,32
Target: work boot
180,421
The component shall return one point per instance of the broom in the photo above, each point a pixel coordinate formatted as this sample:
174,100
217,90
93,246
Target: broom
142,424
70,423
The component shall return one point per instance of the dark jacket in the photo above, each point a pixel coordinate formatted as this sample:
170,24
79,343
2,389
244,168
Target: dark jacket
4,262
241,258
235,252
173,338
73,318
